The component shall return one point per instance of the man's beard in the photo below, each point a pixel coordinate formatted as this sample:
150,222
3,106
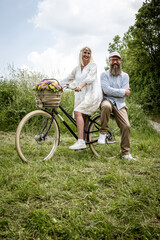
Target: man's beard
115,71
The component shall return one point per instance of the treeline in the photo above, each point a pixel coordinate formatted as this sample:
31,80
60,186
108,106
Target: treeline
140,51
17,99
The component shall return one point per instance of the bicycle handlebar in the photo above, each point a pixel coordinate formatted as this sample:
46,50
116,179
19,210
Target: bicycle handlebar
67,86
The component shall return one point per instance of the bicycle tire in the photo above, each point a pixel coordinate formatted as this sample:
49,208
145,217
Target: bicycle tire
112,136
30,142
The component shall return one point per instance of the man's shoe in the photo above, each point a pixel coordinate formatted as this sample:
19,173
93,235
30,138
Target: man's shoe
128,157
78,146
102,138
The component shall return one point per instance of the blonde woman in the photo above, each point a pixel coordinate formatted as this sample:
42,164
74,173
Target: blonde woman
88,93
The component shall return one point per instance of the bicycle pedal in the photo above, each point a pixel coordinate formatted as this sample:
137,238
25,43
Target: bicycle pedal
111,142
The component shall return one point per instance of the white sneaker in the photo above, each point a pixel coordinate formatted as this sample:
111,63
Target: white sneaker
102,138
128,157
78,145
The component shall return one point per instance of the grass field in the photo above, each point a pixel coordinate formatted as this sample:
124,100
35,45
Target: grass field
78,196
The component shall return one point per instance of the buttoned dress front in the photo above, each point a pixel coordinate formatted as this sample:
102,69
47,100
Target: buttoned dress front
88,100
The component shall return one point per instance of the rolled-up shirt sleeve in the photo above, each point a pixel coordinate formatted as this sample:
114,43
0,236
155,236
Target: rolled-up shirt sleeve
92,74
111,91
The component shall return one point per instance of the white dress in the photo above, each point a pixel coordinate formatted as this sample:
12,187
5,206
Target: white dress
88,100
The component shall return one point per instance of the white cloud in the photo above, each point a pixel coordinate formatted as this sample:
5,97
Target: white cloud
84,17
75,24
52,63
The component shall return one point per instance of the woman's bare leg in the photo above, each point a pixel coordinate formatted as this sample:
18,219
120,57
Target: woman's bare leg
85,117
81,120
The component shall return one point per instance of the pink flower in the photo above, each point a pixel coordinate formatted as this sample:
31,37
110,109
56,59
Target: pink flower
45,81
44,87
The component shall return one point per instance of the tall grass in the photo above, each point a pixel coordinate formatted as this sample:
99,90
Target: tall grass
17,97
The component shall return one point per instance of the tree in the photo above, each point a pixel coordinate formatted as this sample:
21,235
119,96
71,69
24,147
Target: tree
140,51
144,48
116,45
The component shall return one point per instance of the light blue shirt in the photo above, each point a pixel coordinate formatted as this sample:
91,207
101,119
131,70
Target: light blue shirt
114,87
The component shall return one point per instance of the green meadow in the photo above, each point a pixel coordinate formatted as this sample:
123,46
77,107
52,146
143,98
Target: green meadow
75,195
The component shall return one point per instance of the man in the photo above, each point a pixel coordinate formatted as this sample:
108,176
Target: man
115,87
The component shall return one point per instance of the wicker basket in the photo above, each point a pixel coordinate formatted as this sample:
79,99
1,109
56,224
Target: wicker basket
47,99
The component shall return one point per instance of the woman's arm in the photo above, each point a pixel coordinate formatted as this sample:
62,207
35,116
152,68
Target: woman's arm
70,78
78,89
92,74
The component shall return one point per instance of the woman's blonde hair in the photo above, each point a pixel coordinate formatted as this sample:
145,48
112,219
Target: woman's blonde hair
80,56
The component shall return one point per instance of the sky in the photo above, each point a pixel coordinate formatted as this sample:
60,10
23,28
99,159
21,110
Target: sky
47,35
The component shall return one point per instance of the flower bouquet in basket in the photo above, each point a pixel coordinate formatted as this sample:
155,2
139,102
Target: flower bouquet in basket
48,93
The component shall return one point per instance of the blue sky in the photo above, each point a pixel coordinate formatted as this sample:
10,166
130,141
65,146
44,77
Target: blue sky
46,35
19,36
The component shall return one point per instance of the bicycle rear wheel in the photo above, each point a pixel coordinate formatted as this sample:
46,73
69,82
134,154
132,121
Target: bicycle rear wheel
37,136
113,136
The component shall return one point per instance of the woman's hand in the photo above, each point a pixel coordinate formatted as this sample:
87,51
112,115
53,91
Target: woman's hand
78,89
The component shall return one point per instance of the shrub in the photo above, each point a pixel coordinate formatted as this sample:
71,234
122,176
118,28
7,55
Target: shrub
17,99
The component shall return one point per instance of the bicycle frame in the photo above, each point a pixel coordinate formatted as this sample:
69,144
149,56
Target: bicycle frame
55,112
44,137
38,133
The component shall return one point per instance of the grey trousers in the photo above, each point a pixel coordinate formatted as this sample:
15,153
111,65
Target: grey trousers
122,121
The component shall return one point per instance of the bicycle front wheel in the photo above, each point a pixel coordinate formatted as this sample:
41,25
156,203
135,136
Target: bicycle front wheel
112,136
37,136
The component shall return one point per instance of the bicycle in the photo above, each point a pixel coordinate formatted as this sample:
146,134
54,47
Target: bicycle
38,134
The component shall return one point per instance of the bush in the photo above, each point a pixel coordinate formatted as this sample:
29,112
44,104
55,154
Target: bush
17,98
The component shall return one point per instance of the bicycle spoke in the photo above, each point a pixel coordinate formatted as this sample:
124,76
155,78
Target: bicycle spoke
111,138
37,137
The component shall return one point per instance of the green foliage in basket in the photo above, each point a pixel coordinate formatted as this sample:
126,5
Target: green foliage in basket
48,84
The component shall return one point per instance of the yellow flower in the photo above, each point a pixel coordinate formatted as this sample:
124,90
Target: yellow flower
52,87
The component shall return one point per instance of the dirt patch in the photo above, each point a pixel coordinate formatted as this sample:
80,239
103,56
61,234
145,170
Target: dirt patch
155,125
